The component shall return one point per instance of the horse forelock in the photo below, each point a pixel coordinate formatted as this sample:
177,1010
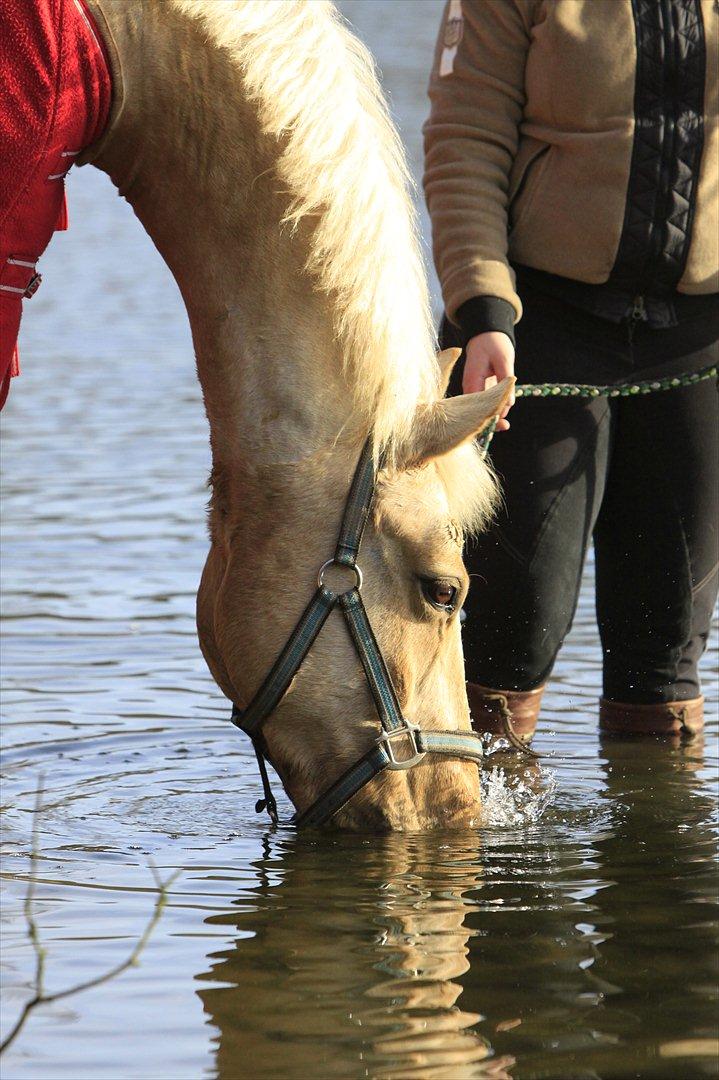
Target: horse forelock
341,162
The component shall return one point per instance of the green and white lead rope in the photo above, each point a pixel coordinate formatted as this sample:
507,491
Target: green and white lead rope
586,390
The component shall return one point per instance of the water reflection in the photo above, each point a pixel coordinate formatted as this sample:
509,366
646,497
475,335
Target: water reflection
656,967
347,959
617,977
581,946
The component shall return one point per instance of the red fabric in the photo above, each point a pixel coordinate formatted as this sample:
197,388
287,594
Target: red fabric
55,102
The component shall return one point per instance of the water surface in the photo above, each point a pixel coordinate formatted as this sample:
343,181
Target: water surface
580,943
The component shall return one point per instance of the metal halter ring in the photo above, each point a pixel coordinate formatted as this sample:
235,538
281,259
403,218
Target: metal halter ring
342,566
408,731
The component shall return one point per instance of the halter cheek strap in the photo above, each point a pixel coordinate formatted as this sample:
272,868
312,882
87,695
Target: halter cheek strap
401,744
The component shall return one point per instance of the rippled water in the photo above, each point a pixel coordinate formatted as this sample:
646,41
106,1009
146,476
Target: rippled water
579,942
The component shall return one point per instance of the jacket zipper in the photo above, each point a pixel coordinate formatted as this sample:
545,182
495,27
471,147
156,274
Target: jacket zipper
637,314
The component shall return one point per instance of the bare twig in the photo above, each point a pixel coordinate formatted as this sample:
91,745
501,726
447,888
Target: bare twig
40,997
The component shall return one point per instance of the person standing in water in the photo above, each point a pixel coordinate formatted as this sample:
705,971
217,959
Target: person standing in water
571,175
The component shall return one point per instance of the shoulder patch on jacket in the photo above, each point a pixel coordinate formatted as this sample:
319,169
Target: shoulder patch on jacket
453,30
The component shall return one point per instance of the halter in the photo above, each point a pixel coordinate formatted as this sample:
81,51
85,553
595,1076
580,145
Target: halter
401,744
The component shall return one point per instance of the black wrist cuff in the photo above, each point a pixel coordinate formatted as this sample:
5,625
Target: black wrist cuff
482,314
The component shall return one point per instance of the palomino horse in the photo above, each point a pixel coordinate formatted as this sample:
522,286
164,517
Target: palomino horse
252,141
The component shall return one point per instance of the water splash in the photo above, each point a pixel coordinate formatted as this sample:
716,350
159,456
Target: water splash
516,798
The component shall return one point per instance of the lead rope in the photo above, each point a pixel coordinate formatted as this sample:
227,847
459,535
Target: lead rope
585,390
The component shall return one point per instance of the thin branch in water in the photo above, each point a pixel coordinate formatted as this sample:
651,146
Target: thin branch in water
40,997
32,929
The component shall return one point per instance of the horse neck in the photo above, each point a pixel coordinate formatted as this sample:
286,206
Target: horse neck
200,176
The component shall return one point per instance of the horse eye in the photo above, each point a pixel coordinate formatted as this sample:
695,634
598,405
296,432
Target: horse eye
440,594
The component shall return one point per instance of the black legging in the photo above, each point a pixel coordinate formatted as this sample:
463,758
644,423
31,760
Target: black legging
640,475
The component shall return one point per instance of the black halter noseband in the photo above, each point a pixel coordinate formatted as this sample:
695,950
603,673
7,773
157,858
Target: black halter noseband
395,729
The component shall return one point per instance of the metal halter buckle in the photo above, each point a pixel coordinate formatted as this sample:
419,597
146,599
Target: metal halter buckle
340,566
408,731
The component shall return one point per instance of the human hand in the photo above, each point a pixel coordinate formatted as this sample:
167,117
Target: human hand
490,358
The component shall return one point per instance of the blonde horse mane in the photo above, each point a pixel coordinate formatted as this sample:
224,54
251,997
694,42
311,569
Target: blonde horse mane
344,169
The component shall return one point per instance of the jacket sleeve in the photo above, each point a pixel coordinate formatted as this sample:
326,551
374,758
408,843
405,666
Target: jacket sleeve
471,137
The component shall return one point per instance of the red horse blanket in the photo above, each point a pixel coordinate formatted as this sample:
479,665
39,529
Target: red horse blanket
55,102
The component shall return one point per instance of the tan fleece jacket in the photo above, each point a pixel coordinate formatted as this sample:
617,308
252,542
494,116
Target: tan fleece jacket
531,153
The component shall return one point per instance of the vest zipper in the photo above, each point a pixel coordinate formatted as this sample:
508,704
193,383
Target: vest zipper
636,315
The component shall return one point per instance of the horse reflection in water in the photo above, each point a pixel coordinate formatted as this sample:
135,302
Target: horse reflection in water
352,979
351,957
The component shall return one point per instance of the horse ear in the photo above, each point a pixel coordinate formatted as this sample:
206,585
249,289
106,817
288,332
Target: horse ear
444,425
446,360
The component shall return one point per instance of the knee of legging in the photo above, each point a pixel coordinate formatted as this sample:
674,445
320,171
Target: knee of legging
508,661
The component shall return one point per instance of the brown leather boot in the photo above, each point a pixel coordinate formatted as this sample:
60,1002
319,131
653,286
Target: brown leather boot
490,710
672,718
